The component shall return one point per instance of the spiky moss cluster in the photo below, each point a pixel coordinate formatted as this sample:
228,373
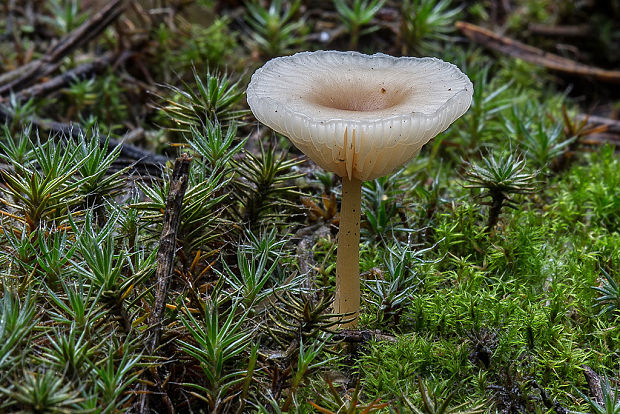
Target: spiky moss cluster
454,316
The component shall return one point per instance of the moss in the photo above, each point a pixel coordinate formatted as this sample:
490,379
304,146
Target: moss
492,316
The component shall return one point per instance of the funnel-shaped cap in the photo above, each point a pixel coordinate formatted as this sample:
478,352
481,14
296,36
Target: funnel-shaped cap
360,116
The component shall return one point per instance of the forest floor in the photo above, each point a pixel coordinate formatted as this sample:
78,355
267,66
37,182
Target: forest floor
163,251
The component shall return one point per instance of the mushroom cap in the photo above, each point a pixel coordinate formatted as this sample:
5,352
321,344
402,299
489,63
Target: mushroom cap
359,116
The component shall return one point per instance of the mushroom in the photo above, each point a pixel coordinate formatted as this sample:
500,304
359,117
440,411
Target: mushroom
361,117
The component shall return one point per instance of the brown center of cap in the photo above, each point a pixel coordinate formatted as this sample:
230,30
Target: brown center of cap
360,97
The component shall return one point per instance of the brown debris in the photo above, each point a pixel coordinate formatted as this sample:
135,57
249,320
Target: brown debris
165,265
577,30
594,383
30,73
534,55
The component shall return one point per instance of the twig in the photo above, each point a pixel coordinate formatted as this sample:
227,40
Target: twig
594,383
165,258
533,54
548,401
613,125
151,162
167,243
576,30
601,139
355,336
78,73
28,74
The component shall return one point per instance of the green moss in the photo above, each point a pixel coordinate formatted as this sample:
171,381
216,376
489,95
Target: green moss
492,314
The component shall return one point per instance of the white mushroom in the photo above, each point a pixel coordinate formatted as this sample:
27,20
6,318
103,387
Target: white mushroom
361,117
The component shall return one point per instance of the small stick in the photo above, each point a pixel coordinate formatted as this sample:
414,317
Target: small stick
613,125
167,244
60,81
577,30
533,54
363,336
151,161
594,383
165,260
28,74
548,401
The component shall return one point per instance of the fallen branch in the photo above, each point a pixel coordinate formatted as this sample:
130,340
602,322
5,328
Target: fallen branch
150,162
601,139
594,383
165,262
167,243
576,30
548,401
66,78
30,73
613,125
534,55
355,336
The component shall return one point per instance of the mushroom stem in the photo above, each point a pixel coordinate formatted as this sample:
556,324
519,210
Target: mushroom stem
347,298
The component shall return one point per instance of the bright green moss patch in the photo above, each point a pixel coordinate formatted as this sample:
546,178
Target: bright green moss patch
490,264
521,300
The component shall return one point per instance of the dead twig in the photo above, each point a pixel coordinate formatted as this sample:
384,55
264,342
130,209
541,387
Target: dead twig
534,55
30,73
167,243
594,383
144,160
355,336
601,139
577,30
548,401
78,73
165,266
613,125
